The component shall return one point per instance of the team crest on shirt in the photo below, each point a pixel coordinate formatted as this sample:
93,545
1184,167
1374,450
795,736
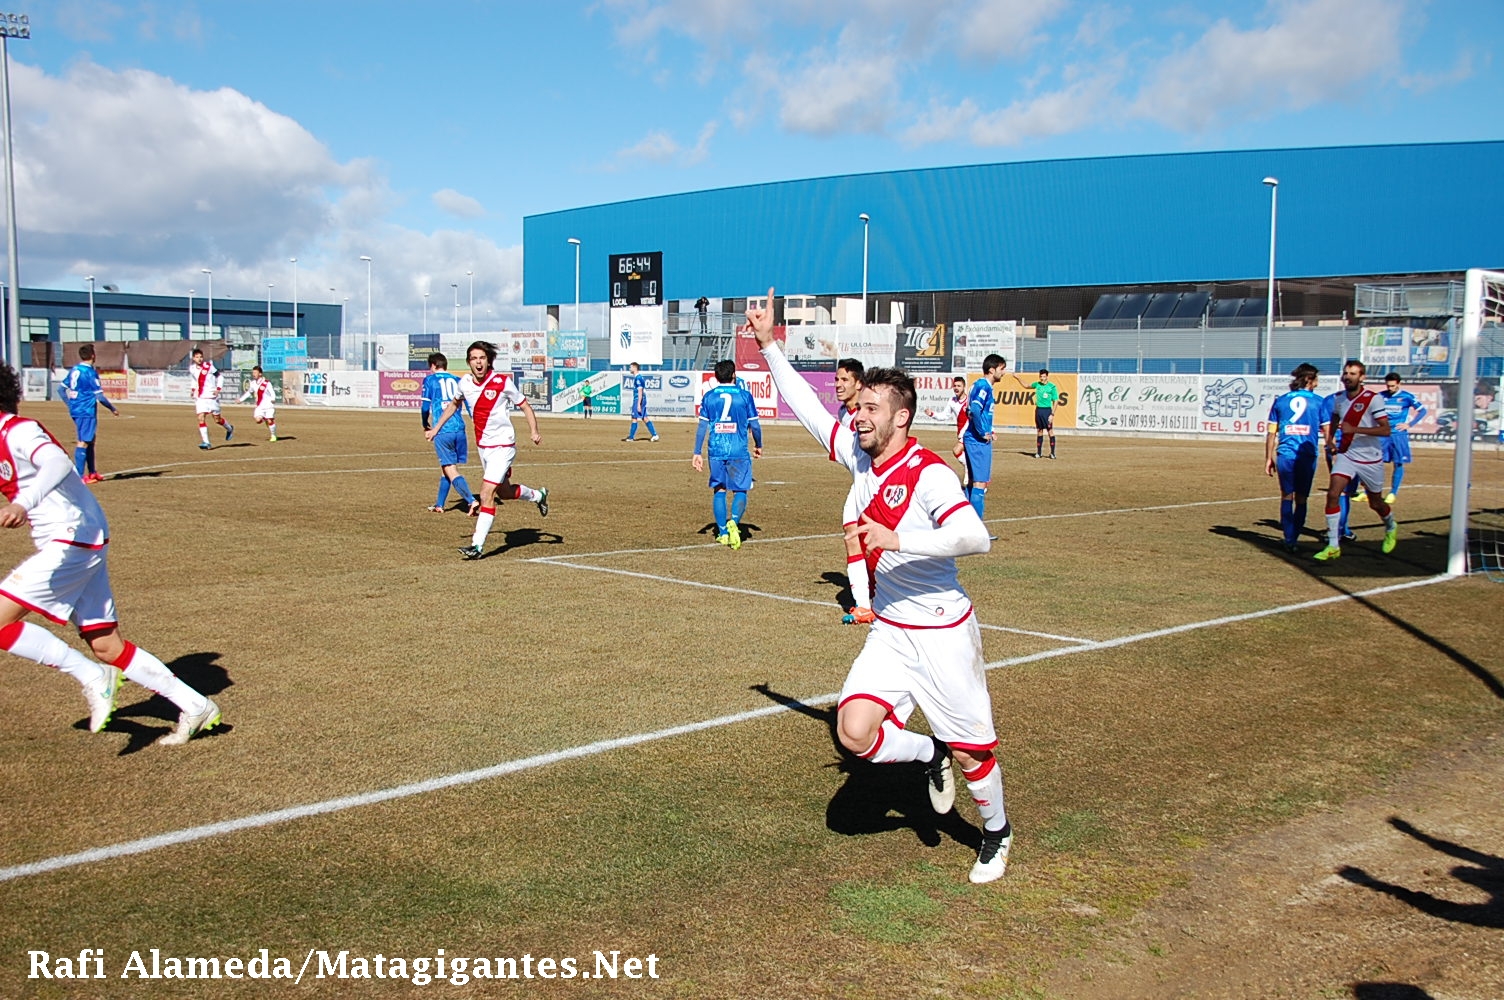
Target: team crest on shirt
489,394
895,495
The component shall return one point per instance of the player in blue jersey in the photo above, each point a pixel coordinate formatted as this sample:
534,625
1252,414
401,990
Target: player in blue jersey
637,385
1291,447
1405,411
83,392
976,436
441,387
727,413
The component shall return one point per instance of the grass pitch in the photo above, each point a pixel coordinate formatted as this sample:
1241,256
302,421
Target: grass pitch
655,712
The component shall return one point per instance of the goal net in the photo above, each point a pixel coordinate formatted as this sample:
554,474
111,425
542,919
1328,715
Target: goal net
1476,541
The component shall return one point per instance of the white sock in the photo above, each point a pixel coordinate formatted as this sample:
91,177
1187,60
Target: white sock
36,643
151,673
528,493
986,787
483,526
897,746
1332,521
203,433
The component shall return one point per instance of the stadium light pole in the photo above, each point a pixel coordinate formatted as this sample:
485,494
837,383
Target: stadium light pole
576,243
269,287
190,314
425,312
471,276
92,328
294,262
866,223
1273,183
456,286
11,26
211,298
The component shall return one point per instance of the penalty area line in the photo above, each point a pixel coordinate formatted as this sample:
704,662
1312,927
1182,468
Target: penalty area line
208,830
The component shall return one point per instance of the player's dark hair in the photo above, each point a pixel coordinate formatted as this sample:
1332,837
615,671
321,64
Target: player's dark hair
851,365
1392,377
1044,371
992,361
899,382
1362,368
10,389
959,378
725,371
1303,373
257,368
438,359
86,352
485,347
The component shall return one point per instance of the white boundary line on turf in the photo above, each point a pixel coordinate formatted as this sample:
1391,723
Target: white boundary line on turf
194,833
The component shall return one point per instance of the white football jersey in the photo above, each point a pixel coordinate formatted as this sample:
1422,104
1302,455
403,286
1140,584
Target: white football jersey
66,513
491,402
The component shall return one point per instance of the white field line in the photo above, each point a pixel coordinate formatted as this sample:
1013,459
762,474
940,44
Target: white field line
190,834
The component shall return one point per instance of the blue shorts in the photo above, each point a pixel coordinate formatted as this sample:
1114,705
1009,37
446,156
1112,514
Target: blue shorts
731,474
978,456
1397,447
452,447
639,411
1296,472
1043,416
88,426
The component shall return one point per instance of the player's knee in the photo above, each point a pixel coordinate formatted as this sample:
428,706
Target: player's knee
107,646
856,734
969,760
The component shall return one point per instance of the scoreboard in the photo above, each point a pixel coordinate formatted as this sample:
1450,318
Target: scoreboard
636,279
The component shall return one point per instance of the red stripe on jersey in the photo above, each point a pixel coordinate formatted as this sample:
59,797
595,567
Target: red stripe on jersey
830,448
893,496
10,486
491,389
960,506
1352,416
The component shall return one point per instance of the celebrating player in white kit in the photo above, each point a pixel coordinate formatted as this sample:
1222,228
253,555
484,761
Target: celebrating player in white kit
207,385
491,395
925,647
67,580
265,401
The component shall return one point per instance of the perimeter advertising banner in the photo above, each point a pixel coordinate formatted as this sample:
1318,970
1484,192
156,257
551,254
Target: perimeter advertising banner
391,352
974,341
567,350
637,335
1140,402
670,394
1402,346
924,349
401,390
284,354
1013,404
816,348
605,388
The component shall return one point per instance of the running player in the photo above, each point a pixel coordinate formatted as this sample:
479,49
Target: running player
1291,446
637,385
491,395
67,580
1404,412
976,434
265,394
1046,395
1359,414
727,414
440,386
925,647
84,393
207,386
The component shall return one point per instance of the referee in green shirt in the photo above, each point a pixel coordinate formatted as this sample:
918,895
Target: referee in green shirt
1046,395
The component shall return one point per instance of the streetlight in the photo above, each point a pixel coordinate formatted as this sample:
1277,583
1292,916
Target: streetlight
269,287
211,298
367,259
190,314
456,286
1273,183
92,328
11,26
425,313
471,276
576,243
294,262
866,220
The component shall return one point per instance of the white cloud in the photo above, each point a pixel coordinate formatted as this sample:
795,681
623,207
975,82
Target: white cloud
461,205
994,29
850,90
659,146
1312,51
1078,105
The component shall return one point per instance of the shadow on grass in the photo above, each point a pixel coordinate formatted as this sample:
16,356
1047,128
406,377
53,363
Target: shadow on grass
1484,872
1423,554
845,599
521,538
199,671
133,475
878,798
1389,991
748,529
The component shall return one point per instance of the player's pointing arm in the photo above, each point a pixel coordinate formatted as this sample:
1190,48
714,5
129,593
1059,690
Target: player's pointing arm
792,388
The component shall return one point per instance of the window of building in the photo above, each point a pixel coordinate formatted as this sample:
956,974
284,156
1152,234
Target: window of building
74,330
164,331
35,328
117,329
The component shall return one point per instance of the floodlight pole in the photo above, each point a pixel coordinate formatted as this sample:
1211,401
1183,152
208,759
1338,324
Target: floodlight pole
294,262
93,335
1273,183
211,298
471,276
866,222
576,243
456,286
11,26
269,287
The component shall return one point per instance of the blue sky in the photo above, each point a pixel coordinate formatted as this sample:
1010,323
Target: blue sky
157,138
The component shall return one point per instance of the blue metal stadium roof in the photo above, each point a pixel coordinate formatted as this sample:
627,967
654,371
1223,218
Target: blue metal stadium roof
1343,211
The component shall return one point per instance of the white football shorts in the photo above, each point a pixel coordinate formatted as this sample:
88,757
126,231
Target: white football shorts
64,583
1370,474
496,462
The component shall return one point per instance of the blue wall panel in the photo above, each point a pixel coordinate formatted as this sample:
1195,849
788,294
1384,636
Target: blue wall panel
1343,211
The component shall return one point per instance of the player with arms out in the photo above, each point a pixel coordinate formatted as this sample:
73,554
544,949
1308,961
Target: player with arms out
207,385
491,395
1404,412
924,649
727,414
440,386
67,580
82,389
976,433
637,385
1357,418
265,401
1291,446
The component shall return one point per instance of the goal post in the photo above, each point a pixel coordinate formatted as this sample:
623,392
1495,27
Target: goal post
1483,303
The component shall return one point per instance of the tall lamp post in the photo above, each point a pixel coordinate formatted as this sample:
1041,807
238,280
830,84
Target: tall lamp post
471,276
1273,183
456,286
269,287
93,335
11,26
866,223
425,312
190,314
367,348
576,283
211,299
294,262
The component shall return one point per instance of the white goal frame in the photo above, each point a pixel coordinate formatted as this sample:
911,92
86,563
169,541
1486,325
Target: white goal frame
1467,376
